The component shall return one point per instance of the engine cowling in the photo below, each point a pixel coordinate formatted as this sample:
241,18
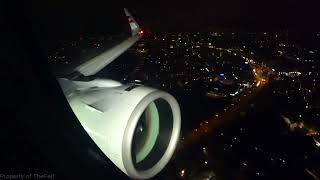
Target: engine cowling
136,127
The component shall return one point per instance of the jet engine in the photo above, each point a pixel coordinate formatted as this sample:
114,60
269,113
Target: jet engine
136,127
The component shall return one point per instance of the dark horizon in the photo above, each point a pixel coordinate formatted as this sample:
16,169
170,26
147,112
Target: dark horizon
235,83
56,19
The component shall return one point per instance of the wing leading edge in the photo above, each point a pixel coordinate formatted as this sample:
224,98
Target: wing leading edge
94,65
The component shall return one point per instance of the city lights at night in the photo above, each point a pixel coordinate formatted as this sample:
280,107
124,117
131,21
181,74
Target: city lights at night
208,91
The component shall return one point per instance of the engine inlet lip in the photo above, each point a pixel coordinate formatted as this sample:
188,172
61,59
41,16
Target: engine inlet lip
129,132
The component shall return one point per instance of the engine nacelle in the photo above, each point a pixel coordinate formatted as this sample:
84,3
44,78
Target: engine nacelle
136,127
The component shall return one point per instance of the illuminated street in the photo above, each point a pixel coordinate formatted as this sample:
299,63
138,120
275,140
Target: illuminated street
229,114
162,90
233,102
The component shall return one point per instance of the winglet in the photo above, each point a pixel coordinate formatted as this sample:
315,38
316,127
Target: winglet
97,63
135,28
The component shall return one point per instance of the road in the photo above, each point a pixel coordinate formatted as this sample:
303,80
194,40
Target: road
230,113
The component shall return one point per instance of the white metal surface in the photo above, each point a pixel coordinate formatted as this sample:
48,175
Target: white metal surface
110,116
109,112
94,65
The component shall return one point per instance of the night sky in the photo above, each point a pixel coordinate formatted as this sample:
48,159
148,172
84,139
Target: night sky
62,19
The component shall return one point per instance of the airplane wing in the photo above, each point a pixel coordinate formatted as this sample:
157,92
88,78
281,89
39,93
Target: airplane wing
124,119
94,65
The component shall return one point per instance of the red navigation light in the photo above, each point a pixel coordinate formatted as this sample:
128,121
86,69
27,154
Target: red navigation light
141,32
